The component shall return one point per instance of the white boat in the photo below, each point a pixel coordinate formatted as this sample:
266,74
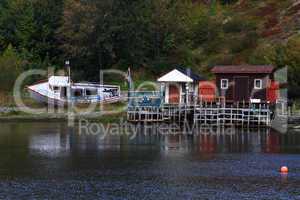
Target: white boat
60,90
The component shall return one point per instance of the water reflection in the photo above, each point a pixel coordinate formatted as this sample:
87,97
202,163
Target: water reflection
222,140
54,141
40,158
59,140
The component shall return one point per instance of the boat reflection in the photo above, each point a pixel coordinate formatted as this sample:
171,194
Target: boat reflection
61,141
49,141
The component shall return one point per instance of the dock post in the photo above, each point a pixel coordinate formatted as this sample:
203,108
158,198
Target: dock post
205,115
140,114
249,112
231,110
259,113
179,113
243,114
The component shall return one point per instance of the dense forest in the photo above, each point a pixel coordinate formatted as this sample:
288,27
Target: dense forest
150,36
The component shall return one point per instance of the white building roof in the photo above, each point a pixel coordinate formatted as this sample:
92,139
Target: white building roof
175,76
59,81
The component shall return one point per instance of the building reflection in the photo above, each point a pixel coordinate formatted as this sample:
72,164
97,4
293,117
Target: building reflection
54,147
216,140
272,142
59,140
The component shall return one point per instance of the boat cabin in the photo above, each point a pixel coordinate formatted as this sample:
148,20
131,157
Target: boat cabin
58,85
60,90
244,83
180,86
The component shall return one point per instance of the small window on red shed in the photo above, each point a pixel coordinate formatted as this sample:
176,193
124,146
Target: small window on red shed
224,84
257,84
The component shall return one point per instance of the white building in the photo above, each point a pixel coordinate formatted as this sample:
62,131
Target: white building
180,86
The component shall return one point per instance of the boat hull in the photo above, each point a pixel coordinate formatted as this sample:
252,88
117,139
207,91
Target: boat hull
59,92
38,97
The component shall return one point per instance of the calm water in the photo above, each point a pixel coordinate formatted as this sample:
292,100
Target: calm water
52,161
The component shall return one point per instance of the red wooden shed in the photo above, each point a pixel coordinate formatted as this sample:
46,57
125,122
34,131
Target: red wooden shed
207,91
247,83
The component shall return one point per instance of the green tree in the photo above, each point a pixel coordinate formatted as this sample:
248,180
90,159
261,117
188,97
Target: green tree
11,66
292,61
30,25
124,33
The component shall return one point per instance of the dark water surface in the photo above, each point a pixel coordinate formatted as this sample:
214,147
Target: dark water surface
52,161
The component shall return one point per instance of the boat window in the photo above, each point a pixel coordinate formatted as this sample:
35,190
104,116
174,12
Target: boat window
77,92
112,92
224,83
258,84
64,92
55,89
115,92
91,92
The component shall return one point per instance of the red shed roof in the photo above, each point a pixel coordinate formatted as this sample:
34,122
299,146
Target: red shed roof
243,69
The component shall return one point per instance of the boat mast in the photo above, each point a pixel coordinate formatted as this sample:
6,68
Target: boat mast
130,82
67,64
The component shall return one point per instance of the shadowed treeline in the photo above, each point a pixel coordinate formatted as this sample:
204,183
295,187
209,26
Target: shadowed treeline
149,36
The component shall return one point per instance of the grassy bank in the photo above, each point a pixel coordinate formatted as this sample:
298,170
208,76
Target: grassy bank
60,117
106,113
95,117
7,100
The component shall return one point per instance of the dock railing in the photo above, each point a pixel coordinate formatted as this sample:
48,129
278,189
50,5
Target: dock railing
230,114
150,107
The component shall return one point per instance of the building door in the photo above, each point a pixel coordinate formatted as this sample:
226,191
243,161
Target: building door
174,94
241,88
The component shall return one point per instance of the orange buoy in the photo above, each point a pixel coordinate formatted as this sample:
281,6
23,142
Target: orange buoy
284,169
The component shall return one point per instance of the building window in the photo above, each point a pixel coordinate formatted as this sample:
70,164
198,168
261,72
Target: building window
257,84
224,83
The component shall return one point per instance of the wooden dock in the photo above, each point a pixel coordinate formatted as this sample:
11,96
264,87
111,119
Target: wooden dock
229,114
214,113
150,107
167,112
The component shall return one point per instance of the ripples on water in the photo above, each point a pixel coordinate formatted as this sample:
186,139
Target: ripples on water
50,160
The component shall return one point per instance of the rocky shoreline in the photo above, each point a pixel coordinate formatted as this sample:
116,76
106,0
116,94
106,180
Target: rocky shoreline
6,110
15,114
294,120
